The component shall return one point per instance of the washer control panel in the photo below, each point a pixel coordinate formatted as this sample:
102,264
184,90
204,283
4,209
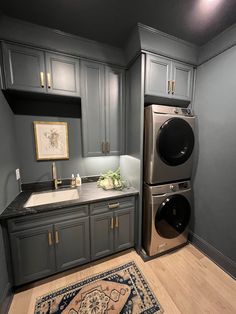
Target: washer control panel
174,187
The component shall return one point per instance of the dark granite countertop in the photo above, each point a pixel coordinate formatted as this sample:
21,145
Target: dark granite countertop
88,193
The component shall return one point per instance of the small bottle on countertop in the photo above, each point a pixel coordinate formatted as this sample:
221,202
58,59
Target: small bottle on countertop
78,180
73,181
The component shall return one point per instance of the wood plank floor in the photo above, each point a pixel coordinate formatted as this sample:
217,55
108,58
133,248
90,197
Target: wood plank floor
185,281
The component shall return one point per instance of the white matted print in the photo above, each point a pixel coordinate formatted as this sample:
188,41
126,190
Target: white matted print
51,140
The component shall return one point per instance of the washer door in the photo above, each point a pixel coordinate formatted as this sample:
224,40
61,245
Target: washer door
175,141
172,216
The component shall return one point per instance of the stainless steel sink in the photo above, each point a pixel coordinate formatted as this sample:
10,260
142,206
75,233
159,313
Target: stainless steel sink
43,198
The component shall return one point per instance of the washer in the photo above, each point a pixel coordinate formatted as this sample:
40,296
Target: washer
166,215
168,144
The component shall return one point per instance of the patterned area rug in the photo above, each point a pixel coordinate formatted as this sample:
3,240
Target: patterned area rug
120,290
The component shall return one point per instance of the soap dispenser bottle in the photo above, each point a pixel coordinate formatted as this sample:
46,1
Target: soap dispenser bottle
78,180
73,181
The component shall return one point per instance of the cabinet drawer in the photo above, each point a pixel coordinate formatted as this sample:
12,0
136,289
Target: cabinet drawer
111,205
53,216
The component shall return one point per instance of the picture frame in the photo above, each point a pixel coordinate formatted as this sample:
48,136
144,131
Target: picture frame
51,140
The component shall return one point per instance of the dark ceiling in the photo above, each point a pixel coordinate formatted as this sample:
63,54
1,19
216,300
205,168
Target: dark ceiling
110,21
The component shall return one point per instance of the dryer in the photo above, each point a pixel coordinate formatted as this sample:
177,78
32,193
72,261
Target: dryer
166,216
168,144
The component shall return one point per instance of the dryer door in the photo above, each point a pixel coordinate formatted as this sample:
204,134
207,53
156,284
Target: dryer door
173,216
175,142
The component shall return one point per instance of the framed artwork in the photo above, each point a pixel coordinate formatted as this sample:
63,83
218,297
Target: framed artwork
51,140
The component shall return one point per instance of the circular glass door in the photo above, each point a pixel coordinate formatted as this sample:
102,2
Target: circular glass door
172,216
175,141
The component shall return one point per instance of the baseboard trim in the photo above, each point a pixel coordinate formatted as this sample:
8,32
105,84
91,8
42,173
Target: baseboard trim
6,299
228,265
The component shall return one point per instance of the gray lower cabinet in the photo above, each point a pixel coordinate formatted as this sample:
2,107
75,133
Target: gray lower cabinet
33,254
46,243
102,235
124,229
72,243
102,95
166,78
40,251
112,226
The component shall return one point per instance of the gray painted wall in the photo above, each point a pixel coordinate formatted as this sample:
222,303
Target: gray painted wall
33,170
8,184
217,45
8,155
214,183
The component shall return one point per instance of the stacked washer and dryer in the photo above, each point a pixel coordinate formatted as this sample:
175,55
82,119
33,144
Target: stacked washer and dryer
168,162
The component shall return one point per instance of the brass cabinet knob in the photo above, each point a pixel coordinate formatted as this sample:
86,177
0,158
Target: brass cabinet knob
49,238
117,222
114,205
173,87
112,223
42,83
57,237
49,80
169,86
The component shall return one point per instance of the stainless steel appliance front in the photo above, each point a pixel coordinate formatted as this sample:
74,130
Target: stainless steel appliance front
168,144
166,215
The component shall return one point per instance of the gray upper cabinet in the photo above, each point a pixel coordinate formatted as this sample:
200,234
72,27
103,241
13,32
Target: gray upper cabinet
158,72
182,75
62,74
102,96
166,78
33,70
114,110
32,254
93,108
24,68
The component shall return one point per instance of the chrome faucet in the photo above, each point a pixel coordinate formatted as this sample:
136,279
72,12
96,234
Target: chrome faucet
54,176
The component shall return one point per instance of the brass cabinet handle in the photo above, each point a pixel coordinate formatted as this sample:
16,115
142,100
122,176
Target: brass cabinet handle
114,205
42,79
169,86
49,238
57,237
117,222
103,148
107,147
49,80
173,87
112,223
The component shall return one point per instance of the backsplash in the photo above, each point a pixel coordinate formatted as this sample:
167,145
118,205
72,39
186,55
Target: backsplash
37,171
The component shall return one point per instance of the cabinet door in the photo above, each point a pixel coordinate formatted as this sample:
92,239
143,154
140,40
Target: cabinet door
93,109
114,110
24,68
158,72
32,254
62,75
72,243
124,229
102,227
182,75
